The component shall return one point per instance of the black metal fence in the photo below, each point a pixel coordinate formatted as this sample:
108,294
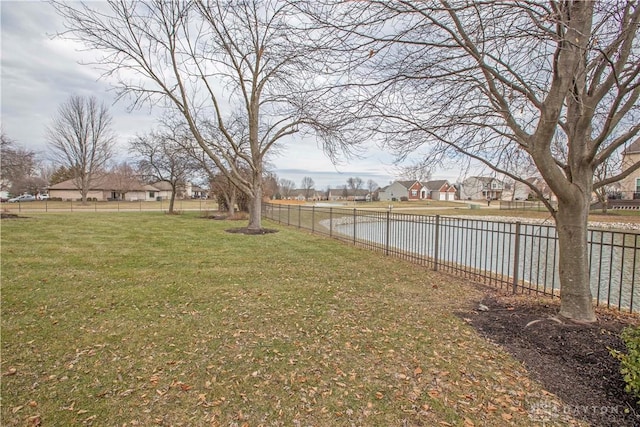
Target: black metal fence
521,257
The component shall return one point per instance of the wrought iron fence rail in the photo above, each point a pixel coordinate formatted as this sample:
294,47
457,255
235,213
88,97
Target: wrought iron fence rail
518,256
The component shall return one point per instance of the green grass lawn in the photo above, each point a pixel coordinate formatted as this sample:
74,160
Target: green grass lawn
138,319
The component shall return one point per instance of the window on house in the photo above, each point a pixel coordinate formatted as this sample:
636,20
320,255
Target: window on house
414,193
152,194
637,185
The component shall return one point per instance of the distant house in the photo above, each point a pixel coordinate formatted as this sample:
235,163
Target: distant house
183,191
302,195
630,186
522,191
164,190
411,190
199,192
347,194
106,187
439,190
481,188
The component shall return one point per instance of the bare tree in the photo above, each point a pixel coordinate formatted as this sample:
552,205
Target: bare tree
355,184
419,171
17,166
553,82
286,187
372,186
124,179
307,186
161,156
609,168
214,62
270,186
226,193
82,140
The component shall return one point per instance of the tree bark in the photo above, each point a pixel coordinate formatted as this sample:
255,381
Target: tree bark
576,300
255,208
172,199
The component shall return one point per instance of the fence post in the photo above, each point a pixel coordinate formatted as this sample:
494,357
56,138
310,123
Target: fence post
288,214
436,244
313,219
299,215
354,226
386,245
516,259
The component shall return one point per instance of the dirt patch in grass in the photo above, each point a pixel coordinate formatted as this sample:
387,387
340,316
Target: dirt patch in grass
572,361
219,217
5,215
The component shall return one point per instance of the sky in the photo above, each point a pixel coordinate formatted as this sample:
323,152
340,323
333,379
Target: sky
39,72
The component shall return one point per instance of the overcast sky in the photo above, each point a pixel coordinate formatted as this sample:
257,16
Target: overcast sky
40,72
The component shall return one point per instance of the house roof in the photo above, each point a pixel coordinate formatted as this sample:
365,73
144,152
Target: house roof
436,185
407,184
107,182
633,148
350,192
485,179
162,185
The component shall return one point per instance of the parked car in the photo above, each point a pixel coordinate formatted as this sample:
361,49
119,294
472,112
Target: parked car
42,197
23,198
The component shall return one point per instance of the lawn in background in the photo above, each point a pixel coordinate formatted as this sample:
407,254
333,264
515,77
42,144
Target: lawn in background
150,319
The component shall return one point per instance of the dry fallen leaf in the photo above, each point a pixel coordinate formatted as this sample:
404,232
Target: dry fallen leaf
507,417
10,371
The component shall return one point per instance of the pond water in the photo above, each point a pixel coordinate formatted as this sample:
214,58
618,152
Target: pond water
491,247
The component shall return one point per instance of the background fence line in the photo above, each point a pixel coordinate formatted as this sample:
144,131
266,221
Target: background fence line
111,206
520,256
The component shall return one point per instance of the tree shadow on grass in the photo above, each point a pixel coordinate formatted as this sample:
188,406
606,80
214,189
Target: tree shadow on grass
251,231
5,215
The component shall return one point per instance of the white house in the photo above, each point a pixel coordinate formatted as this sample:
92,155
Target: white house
439,190
481,188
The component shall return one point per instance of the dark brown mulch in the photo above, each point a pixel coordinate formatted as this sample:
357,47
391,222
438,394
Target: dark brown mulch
570,360
251,231
6,215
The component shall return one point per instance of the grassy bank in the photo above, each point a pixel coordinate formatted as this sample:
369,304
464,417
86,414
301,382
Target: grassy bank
147,319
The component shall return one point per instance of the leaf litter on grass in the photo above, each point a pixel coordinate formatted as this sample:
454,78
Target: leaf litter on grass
280,329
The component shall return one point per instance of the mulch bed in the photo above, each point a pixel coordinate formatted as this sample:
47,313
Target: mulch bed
573,361
5,215
251,231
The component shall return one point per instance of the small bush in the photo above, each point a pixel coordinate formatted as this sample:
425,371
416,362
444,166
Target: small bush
630,361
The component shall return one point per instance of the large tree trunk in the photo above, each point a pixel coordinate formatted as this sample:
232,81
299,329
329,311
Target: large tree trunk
576,301
172,200
255,209
231,202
